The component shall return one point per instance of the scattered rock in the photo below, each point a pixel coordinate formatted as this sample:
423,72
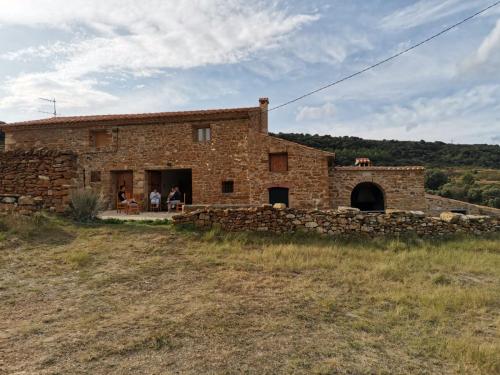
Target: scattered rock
450,217
348,209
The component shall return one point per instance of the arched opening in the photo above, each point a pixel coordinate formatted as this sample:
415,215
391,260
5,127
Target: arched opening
278,195
367,197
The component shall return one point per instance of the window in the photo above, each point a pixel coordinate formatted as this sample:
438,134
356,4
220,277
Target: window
202,134
278,162
2,141
227,187
95,176
100,138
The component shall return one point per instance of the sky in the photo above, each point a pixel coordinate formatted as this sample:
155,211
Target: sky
136,56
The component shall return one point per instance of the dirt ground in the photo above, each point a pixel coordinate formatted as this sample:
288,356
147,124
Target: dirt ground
144,299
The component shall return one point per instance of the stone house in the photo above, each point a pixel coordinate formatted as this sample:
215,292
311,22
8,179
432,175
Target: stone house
221,156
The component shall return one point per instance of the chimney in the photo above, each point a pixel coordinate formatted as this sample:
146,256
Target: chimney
264,104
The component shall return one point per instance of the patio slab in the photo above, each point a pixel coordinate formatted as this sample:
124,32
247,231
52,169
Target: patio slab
143,216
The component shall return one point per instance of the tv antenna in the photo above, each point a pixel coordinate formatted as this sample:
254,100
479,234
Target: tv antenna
53,101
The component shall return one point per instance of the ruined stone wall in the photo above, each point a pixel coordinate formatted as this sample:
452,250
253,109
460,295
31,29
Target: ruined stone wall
267,219
36,179
403,187
437,204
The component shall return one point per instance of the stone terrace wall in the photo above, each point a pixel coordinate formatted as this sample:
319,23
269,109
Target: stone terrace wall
350,221
36,179
437,204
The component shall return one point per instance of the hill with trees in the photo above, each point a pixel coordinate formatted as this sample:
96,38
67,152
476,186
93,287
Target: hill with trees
470,173
392,152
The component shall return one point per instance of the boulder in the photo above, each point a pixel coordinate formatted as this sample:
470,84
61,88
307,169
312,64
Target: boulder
9,200
347,209
450,217
279,206
26,201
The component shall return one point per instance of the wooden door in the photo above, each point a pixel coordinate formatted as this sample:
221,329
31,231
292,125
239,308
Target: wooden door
155,181
126,179
278,162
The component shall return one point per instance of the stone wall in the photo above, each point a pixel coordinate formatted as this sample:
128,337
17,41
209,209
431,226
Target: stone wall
437,204
348,221
402,187
36,179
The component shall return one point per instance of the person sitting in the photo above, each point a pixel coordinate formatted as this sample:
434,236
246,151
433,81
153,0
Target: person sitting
175,199
122,197
155,199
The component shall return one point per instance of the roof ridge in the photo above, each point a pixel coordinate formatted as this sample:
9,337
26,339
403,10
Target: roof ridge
128,116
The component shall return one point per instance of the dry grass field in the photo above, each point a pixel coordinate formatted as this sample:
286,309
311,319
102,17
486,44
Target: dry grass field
144,299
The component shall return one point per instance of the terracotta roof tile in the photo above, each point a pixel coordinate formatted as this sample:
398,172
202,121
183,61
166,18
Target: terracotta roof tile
129,117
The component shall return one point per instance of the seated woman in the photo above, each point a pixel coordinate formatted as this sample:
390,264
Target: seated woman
155,199
122,197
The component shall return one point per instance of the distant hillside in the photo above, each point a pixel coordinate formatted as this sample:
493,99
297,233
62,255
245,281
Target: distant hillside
391,152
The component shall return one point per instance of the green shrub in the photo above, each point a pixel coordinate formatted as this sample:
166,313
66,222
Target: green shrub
435,178
85,205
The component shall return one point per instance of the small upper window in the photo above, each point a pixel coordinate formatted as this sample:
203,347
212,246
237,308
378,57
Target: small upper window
95,176
278,162
203,134
227,187
100,138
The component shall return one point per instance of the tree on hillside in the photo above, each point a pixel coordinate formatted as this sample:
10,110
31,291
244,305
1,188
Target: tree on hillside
435,178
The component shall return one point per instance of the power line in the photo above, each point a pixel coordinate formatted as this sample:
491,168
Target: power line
387,59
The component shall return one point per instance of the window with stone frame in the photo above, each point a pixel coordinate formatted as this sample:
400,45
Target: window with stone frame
202,134
228,187
2,141
100,138
278,162
95,176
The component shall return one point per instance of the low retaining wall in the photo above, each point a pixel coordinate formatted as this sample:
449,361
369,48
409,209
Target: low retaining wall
36,179
437,204
269,219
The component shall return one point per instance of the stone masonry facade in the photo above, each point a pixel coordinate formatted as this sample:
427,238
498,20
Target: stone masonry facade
36,179
338,222
238,150
402,187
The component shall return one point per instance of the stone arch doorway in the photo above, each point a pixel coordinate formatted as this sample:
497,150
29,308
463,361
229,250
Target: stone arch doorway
367,196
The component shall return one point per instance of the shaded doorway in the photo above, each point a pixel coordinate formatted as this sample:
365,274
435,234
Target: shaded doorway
119,179
166,179
367,197
278,195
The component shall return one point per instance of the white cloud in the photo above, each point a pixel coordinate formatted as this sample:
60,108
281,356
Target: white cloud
488,51
463,116
23,92
324,112
139,39
428,111
425,11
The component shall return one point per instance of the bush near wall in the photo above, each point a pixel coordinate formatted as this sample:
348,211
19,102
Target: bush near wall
343,221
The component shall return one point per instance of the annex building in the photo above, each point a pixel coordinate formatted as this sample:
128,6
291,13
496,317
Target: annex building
215,157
